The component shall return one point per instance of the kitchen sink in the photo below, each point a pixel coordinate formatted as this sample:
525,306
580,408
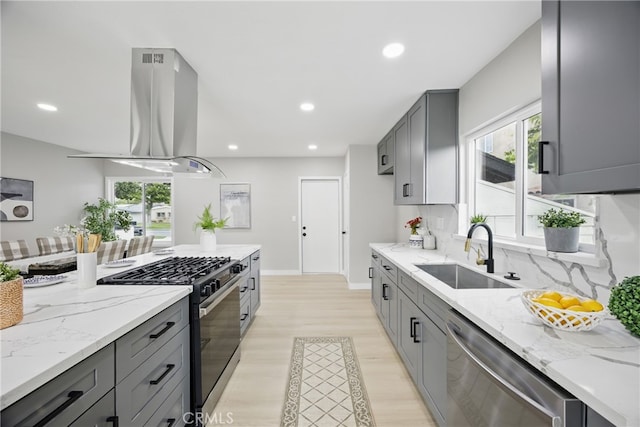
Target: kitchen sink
459,277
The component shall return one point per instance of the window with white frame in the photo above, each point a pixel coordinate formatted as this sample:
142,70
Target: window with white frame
505,185
149,201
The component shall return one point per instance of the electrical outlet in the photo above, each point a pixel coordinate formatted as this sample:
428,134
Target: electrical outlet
440,223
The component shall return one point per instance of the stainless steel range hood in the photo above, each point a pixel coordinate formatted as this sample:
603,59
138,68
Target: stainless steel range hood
164,115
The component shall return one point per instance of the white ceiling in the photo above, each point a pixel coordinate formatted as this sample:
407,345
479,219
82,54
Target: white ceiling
256,62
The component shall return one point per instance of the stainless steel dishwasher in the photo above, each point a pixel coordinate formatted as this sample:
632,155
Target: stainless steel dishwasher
488,385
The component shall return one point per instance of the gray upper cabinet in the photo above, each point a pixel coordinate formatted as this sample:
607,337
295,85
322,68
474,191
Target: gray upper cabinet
590,96
386,154
426,151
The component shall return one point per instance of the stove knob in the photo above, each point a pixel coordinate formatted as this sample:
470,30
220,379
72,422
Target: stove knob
237,269
206,290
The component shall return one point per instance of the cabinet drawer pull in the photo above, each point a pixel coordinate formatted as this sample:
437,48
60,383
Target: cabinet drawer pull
386,267
72,397
374,256
164,374
370,272
384,160
244,316
384,292
253,283
256,258
411,330
113,420
165,329
171,422
414,334
243,289
541,170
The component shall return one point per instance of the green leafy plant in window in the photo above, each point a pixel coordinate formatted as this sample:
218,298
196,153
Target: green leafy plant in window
553,218
478,218
103,218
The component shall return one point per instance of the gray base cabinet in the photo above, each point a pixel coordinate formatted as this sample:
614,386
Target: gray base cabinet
590,101
142,379
419,318
384,294
249,290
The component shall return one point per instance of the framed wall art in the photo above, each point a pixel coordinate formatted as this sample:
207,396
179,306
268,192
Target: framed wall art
16,199
235,204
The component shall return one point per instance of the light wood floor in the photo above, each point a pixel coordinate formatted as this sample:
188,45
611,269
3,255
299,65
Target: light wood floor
316,305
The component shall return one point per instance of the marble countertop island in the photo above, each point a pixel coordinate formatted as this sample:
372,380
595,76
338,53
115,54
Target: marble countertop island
64,324
601,367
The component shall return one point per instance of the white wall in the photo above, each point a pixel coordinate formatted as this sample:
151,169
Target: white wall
510,81
274,201
371,211
61,185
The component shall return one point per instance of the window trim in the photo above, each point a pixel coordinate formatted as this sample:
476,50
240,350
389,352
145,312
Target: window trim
110,196
532,243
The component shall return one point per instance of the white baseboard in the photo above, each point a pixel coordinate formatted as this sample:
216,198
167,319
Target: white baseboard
354,286
280,272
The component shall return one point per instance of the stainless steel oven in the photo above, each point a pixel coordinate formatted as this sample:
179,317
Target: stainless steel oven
217,346
488,385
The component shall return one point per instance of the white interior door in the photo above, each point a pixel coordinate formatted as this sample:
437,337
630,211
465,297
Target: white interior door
320,225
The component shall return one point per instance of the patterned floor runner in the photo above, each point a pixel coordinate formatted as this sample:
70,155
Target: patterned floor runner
325,386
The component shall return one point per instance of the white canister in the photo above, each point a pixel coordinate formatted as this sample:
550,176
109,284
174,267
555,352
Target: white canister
429,241
87,269
415,241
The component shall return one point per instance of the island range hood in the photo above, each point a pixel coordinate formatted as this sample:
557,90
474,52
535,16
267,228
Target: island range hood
164,113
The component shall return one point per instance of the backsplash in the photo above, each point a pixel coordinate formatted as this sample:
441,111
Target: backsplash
618,248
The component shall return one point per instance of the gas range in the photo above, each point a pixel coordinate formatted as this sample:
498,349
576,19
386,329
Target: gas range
207,275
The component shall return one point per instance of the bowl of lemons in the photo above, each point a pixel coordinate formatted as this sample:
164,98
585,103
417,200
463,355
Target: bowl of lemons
564,311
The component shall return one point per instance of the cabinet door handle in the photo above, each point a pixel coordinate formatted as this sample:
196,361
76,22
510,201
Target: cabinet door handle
386,267
171,422
384,292
541,170
243,289
383,160
72,397
374,256
414,334
370,272
165,329
256,258
244,316
114,420
164,374
253,283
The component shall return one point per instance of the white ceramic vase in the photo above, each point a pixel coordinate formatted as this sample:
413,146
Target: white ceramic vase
208,241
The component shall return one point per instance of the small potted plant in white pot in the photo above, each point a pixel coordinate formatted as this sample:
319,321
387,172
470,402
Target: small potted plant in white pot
561,230
208,224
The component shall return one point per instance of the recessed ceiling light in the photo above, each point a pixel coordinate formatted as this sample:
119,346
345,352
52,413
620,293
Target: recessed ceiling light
393,50
307,106
313,147
47,107
232,147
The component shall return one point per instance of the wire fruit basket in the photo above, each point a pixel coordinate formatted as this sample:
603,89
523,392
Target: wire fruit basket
565,320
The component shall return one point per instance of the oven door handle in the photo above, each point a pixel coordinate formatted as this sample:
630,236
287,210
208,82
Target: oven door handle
499,381
218,299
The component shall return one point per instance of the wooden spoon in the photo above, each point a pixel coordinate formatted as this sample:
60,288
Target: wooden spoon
79,243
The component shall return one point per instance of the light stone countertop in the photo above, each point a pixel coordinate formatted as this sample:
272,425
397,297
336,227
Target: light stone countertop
601,367
64,324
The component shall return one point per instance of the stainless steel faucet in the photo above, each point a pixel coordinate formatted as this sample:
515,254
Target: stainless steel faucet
467,246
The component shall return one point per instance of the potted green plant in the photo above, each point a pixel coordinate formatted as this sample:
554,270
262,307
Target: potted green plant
208,224
561,229
103,218
477,218
11,308
624,303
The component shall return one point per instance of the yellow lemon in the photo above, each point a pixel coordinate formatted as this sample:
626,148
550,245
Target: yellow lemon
552,295
592,305
568,301
576,308
549,302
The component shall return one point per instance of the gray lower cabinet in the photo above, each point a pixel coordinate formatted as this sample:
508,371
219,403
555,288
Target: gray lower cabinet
143,391
98,414
590,101
255,283
172,411
420,338
384,296
426,151
64,399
